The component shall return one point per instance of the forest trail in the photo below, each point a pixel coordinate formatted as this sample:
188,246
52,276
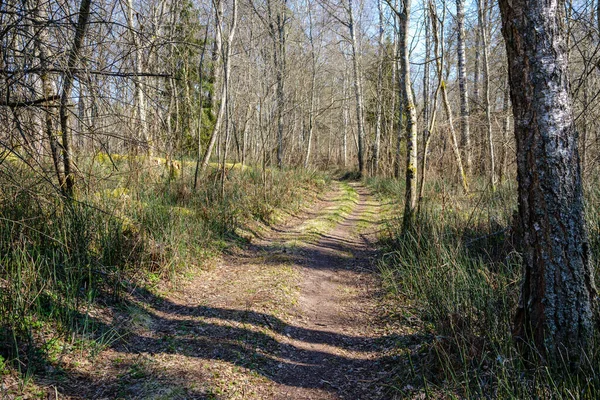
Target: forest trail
292,316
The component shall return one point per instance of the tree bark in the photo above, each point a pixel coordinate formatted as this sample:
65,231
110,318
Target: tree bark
345,120
555,307
429,118
140,96
410,198
313,80
277,21
465,136
486,95
440,57
40,15
379,93
505,129
226,74
357,90
200,109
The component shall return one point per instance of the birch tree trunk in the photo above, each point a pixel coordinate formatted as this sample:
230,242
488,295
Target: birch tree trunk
313,79
379,94
345,120
477,68
426,75
393,107
465,136
486,95
439,60
555,307
505,129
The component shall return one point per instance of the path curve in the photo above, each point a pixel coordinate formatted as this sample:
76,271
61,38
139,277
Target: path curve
292,316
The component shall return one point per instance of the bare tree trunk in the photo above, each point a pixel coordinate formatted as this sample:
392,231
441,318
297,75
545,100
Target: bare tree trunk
277,21
393,107
477,66
357,90
428,132
140,97
215,131
555,307
439,57
401,121
379,92
313,79
226,74
227,101
200,108
426,79
430,119
345,120
48,88
505,129
217,56
82,22
465,136
486,99
280,100
586,106
411,115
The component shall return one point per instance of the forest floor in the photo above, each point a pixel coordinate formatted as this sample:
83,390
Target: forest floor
294,315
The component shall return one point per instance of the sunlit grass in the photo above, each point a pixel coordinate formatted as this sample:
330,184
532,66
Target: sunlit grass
134,222
455,279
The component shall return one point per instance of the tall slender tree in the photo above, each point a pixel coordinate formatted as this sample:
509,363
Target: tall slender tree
378,92
408,111
69,76
358,92
465,135
486,93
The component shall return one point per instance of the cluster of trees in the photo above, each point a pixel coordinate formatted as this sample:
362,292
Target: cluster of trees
386,85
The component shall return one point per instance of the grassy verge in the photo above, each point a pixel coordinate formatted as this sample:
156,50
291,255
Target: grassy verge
455,280
329,217
135,222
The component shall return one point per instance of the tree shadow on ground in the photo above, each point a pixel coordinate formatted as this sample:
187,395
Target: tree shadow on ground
261,344
257,342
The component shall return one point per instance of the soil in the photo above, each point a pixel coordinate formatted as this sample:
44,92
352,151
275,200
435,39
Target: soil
293,315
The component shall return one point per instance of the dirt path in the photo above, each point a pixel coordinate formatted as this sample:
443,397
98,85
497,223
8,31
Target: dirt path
335,352
294,316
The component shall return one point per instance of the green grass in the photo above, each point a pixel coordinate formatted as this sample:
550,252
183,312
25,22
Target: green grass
455,279
133,222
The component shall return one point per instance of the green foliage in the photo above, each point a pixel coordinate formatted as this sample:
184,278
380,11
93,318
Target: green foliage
389,188
455,277
3,367
191,66
58,258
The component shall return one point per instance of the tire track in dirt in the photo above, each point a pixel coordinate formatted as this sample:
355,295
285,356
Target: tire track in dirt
292,316
339,354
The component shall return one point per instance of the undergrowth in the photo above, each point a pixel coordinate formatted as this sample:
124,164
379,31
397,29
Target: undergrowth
133,222
455,279
343,205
